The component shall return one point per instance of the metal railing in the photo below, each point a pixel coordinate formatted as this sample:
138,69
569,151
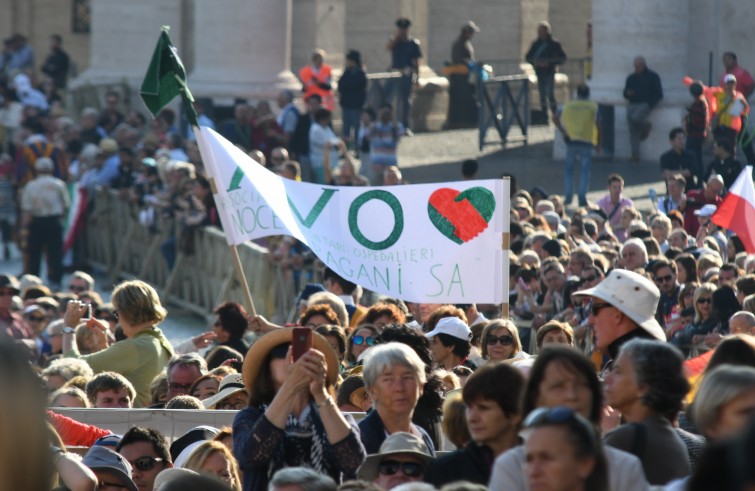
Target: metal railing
118,243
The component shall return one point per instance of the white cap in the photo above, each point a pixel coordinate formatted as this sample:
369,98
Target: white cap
706,211
730,78
453,326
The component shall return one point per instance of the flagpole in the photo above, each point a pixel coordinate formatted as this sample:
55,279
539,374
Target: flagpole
505,246
237,266
157,90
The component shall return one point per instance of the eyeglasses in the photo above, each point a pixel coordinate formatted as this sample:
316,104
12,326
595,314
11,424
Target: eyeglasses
391,467
505,340
145,463
359,340
230,406
7,293
174,386
595,307
107,485
705,300
664,279
77,288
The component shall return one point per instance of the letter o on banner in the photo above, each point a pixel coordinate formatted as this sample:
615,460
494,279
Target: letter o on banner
398,219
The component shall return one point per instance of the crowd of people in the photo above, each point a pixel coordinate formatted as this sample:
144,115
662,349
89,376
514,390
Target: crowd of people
627,361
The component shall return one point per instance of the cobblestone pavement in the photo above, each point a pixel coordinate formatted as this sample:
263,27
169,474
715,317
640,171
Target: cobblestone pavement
437,157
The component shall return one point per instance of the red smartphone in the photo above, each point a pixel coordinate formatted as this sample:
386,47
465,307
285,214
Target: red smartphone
301,341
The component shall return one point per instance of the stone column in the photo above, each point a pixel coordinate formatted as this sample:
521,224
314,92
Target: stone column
123,39
318,24
659,32
242,48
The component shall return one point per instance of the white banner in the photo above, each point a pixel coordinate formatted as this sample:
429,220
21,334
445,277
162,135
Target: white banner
434,243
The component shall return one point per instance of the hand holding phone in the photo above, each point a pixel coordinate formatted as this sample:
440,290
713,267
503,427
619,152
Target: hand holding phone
301,341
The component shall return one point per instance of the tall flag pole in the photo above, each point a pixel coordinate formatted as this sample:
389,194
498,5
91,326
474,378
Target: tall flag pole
165,79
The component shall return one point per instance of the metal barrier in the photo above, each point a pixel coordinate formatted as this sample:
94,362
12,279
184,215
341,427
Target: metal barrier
502,109
117,243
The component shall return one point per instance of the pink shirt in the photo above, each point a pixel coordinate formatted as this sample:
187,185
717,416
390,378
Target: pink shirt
745,82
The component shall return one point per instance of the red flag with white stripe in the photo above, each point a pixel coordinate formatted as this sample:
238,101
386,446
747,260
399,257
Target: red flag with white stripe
737,212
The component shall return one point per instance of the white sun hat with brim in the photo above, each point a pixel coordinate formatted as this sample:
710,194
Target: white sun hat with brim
230,385
634,295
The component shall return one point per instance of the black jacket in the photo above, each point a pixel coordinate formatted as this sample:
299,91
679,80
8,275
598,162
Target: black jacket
729,170
548,50
372,432
352,88
645,87
472,463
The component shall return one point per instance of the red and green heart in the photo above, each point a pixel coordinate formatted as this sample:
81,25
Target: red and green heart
461,216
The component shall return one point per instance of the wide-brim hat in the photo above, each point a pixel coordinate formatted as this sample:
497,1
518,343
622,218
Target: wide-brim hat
230,385
263,345
634,295
400,443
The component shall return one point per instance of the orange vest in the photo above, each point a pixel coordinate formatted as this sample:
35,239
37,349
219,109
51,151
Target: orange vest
310,79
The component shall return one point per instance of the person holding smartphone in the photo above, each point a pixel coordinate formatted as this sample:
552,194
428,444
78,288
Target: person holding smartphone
292,419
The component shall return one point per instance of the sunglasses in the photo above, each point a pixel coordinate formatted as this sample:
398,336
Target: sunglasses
663,279
145,463
34,318
7,293
595,307
505,340
77,288
589,279
705,300
391,467
359,340
116,315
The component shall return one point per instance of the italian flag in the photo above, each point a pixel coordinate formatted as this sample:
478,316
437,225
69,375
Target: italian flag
737,212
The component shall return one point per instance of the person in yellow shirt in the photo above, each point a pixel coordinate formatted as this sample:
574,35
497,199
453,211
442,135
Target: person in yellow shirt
579,123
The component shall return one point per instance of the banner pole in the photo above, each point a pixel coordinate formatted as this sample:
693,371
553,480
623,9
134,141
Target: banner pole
505,246
237,266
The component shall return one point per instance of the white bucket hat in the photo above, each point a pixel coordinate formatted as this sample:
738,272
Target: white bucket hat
634,295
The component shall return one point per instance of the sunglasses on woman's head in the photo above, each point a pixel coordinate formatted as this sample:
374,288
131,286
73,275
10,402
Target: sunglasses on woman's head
359,340
505,340
391,467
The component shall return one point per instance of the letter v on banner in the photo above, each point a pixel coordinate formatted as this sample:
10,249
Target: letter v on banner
315,211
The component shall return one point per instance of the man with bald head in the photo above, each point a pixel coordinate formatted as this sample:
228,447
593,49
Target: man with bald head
643,92
742,322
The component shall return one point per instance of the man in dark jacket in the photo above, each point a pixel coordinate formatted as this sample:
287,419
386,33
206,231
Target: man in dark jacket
643,91
352,91
57,62
492,396
298,146
545,55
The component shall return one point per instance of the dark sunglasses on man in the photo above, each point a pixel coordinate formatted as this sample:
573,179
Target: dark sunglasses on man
145,463
391,467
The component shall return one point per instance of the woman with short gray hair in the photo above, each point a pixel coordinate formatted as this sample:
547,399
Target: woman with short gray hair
647,385
394,376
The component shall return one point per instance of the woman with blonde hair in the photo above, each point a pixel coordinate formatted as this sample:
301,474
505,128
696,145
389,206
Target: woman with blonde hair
214,459
704,321
142,355
500,341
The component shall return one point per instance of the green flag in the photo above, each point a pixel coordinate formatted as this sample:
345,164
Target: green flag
166,78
